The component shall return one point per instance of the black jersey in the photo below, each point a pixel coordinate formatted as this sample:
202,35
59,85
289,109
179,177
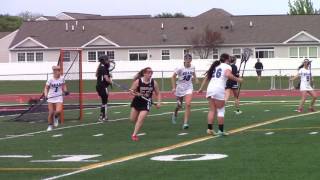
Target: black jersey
235,70
145,89
233,84
102,71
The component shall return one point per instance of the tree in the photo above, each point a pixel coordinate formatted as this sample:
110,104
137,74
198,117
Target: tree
29,16
170,15
301,7
204,43
9,23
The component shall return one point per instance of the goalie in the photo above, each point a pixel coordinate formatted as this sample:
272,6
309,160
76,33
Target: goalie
54,90
103,82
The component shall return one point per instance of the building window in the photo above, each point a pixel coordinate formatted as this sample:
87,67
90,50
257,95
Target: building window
293,52
21,57
66,56
39,56
313,52
110,55
30,57
264,52
138,55
186,51
101,53
237,53
165,54
215,53
303,52
92,56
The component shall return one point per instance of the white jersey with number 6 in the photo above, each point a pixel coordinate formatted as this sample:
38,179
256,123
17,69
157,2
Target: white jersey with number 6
217,84
55,94
305,79
184,82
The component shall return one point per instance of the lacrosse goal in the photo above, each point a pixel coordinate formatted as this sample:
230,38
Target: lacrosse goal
70,62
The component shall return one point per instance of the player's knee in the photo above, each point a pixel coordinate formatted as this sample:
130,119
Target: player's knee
221,112
51,113
188,105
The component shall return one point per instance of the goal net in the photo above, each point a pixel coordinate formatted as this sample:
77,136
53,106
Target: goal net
36,110
71,67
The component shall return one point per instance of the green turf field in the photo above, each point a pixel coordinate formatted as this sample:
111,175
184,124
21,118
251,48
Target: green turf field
14,87
268,141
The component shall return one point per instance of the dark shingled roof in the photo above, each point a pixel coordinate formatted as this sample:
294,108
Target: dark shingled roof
266,29
3,34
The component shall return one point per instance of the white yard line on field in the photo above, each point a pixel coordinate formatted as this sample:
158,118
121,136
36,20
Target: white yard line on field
95,123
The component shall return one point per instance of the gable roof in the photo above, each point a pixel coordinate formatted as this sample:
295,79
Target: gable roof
125,32
302,36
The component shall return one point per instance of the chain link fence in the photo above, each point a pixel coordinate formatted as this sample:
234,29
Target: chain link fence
272,79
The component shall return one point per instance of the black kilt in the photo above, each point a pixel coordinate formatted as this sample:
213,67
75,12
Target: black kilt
103,93
232,84
140,104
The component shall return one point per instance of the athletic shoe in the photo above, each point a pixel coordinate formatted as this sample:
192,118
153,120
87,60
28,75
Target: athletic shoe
238,112
55,122
174,119
299,110
134,138
50,128
185,126
311,109
103,119
222,133
211,132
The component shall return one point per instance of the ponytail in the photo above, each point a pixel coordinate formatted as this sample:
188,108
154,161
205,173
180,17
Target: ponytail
97,70
140,73
301,66
213,66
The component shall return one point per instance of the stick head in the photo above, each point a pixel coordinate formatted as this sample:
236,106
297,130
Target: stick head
245,56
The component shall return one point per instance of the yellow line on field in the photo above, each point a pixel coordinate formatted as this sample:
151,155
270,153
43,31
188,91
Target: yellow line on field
38,169
172,147
186,143
283,129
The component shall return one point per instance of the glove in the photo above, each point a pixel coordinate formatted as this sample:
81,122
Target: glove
66,93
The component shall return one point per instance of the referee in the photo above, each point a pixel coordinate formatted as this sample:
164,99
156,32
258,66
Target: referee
103,81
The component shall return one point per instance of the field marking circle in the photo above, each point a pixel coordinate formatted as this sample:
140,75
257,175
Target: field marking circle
203,157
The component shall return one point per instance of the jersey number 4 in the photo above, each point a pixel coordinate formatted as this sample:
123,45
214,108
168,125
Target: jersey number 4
217,73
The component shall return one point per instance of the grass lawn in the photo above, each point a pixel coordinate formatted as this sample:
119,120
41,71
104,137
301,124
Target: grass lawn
288,152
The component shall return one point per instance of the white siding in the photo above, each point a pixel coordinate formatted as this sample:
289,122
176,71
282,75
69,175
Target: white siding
4,47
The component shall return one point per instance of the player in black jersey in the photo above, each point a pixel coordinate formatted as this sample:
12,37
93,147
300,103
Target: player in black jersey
142,88
232,86
103,81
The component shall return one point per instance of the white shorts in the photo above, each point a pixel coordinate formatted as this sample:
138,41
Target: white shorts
305,87
219,95
182,91
58,99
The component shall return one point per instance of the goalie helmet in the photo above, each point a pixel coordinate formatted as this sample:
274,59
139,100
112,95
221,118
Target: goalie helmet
103,58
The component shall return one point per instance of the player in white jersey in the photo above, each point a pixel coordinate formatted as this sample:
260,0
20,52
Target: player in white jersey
306,82
183,88
217,76
54,90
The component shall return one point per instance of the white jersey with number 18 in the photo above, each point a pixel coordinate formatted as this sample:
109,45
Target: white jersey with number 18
184,82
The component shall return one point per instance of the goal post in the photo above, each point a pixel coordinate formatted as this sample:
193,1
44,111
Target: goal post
70,61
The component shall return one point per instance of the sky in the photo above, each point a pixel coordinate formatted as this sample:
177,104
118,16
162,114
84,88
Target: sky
150,7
